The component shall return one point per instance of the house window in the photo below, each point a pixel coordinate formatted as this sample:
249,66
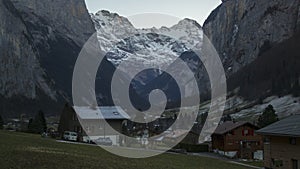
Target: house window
251,133
257,143
245,132
231,133
88,129
277,162
116,113
293,141
294,164
74,117
78,129
267,140
92,129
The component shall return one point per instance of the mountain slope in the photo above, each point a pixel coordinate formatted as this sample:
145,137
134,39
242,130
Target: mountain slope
275,72
258,43
20,69
41,41
241,30
139,49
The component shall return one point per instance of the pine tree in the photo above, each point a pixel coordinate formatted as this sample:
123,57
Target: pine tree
38,125
296,89
204,117
30,128
1,122
227,118
268,117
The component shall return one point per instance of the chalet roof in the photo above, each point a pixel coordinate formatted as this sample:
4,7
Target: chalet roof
289,126
108,113
228,126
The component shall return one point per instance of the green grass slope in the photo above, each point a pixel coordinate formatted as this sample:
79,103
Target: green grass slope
20,150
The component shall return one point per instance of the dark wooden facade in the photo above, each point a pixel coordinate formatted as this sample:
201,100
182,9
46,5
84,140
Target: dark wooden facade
240,139
69,121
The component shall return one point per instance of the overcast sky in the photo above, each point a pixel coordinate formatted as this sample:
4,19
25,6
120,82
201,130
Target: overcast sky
194,9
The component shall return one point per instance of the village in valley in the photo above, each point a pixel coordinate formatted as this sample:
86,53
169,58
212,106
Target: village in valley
257,142
123,84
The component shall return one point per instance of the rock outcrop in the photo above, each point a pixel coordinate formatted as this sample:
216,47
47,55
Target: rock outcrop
241,30
20,70
39,44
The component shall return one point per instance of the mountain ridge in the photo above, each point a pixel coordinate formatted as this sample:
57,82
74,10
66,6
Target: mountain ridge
40,42
141,48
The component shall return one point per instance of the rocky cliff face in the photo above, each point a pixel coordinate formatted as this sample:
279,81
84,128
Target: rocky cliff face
242,30
67,18
258,41
20,69
39,42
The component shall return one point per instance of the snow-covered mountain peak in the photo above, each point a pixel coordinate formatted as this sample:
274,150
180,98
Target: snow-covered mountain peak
188,21
112,29
147,48
106,16
187,31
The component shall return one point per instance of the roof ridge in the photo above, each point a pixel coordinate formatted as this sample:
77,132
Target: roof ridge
287,126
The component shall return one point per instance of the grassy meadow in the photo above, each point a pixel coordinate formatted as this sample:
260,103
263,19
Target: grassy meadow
22,151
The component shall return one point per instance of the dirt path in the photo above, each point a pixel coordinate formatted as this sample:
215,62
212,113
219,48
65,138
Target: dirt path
219,157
